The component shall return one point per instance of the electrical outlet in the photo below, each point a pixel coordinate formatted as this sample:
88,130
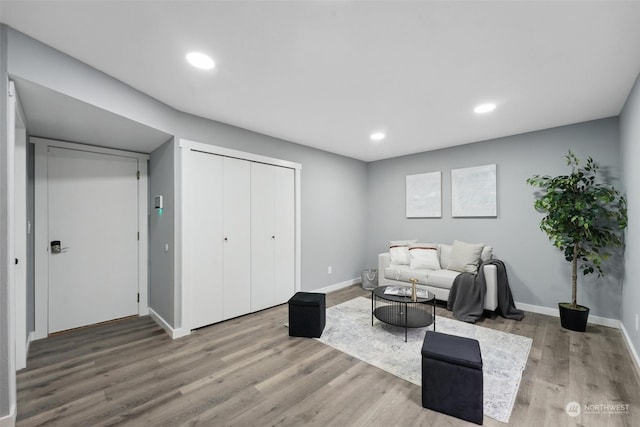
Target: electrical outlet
330,270
636,322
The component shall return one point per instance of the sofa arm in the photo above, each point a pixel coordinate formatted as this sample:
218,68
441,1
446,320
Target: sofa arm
491,280
384,261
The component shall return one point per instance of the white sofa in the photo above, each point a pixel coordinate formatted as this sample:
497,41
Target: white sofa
437,281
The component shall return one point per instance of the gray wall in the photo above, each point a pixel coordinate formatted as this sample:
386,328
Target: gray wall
161,232
6,376
333,198
537,271
333,187
630,150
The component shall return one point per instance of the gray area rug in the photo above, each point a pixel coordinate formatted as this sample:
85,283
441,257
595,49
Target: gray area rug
504,355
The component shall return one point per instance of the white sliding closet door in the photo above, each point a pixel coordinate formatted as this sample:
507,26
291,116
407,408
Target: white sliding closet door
237,237
284,226
205,215
272,235
262,236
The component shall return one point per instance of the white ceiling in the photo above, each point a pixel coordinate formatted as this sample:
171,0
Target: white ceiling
328,73
53,115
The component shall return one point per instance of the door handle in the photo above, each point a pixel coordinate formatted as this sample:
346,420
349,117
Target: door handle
56,248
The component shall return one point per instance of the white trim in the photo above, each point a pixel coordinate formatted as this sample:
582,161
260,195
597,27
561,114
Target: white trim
20,230
42,226
594,320
41,248
143,245
173,333
9,241
338,286
30,339
631,348
89,148
213,149
10,419
181,247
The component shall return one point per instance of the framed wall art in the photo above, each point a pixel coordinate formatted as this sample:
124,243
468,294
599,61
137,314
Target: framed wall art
473,192
424,195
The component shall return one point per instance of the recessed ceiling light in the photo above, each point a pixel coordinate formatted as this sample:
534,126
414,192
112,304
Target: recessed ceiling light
200,60
377,136
484,108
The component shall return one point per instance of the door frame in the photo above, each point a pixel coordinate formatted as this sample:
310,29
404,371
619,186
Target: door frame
42,226
19,141
183,195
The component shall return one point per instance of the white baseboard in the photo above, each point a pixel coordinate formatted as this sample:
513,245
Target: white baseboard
631,348
338,286
10,419
595,320
31,337
173,333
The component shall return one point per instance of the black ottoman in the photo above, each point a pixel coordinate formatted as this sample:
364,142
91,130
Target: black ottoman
306,315
452,376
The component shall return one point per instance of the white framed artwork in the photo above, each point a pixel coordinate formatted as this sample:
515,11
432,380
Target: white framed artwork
424,195
473,192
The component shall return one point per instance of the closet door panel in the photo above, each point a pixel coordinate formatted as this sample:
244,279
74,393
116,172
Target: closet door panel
284,230
205,192
262,237
236,204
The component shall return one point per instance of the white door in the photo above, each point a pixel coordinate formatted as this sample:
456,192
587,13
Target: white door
203,183
219,206
237,237
262,237
93,213
272,235
284,231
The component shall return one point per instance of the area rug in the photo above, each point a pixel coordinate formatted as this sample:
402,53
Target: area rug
504,356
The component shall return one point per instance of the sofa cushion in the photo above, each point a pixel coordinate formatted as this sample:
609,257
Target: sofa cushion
465,257
445,255
442,278
424,256
404,273
487,253
399,255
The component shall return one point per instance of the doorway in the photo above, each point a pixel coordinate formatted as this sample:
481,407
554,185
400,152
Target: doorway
91,257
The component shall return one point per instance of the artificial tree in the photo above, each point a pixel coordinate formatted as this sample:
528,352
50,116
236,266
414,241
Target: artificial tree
583,218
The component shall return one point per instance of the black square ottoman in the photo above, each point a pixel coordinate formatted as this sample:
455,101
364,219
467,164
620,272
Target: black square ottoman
452,376
307,314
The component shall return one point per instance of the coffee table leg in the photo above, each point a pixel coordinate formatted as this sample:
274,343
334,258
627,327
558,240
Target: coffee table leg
434,314
406,320
373,297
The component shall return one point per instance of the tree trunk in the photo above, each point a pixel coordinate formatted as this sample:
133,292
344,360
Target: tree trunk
574,276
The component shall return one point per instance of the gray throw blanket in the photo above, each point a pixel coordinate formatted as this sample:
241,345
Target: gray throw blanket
466,298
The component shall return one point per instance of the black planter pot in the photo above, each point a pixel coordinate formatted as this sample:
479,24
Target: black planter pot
573,319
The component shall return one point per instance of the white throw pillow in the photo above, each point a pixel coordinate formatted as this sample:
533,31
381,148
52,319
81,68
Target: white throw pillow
487,253
399,255
424,256
465,257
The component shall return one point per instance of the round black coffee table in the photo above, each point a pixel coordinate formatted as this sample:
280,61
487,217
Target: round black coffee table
399,310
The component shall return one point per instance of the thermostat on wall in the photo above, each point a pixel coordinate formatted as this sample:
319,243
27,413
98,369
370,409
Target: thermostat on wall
157,202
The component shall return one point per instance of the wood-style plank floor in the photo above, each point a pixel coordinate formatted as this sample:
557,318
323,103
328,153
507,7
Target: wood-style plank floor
249,372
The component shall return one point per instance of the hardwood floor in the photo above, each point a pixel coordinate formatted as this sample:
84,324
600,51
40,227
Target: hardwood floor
249,372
